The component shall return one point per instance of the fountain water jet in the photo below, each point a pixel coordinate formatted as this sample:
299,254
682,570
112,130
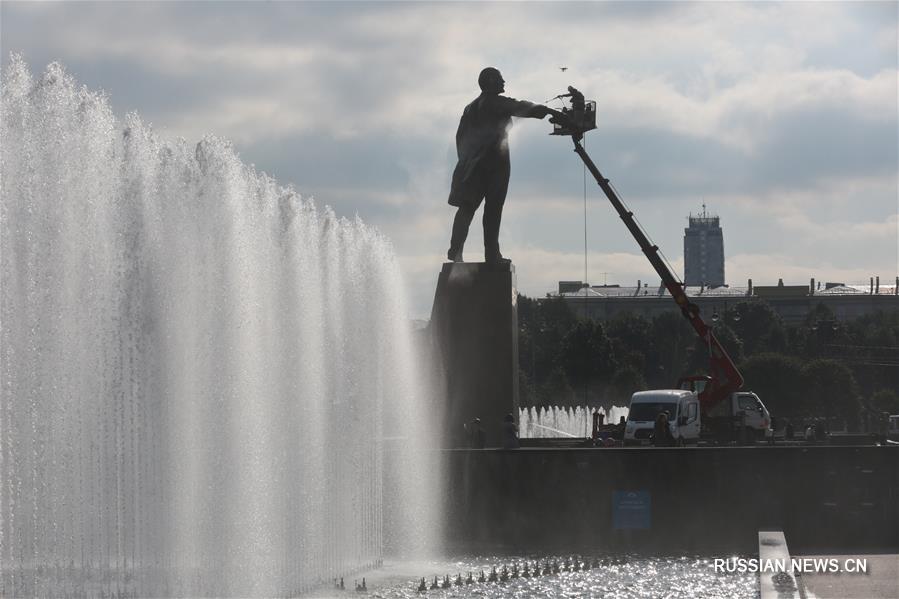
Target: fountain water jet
199,368
541,422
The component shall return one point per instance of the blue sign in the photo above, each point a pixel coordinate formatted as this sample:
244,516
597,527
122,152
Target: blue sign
631,510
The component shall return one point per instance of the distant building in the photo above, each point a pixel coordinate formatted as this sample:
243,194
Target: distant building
704,251
571,286
791,302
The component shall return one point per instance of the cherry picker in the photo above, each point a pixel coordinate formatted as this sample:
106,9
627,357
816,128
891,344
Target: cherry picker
724,379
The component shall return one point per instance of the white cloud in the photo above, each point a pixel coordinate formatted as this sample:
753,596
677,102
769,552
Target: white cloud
818,213
741,115
720,83
766,269
245,118
728,76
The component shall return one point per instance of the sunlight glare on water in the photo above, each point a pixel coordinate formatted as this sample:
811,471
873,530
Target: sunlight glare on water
615,577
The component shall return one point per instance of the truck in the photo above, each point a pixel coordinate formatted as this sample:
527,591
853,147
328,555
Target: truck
682,406
728,412
741,416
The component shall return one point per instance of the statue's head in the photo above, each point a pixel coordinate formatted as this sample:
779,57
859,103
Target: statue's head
491,81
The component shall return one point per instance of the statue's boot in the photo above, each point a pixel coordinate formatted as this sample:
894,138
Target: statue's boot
454,255
494,257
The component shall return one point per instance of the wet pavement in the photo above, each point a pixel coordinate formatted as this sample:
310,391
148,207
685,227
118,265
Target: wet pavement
880,582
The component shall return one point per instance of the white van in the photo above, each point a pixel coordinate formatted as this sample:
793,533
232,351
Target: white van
683,415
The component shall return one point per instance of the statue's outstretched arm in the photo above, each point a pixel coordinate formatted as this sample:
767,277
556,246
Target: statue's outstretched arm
524,109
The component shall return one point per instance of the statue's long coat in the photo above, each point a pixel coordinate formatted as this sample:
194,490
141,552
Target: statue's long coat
482,144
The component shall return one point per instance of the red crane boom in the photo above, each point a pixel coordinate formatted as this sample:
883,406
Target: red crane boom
724,378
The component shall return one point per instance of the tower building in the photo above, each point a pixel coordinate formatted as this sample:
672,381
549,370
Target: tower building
704,251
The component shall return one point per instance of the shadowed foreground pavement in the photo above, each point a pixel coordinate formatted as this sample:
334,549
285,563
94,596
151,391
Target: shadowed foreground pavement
882,579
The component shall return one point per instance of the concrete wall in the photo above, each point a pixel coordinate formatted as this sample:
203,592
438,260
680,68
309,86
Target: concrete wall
702,500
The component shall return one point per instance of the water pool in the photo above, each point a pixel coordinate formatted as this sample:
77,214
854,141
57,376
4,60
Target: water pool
613,577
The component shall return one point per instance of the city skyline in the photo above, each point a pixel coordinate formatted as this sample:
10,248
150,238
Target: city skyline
782,117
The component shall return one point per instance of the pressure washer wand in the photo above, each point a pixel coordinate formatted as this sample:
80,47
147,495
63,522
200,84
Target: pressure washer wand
559,97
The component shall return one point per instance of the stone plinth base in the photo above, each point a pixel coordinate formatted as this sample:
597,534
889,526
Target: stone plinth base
474,328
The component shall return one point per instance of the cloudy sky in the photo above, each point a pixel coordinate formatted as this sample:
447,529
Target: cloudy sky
781,117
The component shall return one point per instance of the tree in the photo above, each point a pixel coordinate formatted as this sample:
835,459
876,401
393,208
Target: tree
798,371
586,354
634,332
819,330
831,389
758,326
699,358
632,342
778,381
871,350
527,394
818,313
625,382
672,336
885,400
555,313
542,326
555,390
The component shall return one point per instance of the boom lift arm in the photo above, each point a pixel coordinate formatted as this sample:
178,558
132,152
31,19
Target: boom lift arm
724,377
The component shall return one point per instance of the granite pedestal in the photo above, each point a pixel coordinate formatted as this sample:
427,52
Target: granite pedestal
474,329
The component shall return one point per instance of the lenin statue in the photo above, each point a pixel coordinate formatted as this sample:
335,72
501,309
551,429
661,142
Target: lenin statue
482,173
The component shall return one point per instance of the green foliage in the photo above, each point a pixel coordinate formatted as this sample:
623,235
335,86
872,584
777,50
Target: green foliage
732,344
818,313
586,354
777,379
633,333
673,338
758,327
555,390
830,389
625,382
820,334
821,367
885,400
870,346
527,394
542,325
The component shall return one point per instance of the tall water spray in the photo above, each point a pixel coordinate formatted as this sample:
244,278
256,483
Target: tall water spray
201,372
